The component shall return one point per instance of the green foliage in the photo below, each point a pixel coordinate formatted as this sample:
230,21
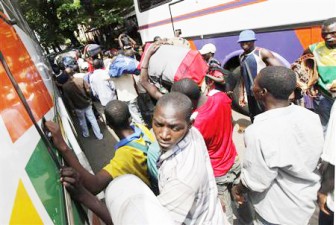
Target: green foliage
55,20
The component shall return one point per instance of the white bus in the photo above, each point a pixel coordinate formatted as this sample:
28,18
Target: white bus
286,27
30,190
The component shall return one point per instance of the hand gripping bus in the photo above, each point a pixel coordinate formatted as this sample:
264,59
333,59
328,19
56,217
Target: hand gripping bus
30,190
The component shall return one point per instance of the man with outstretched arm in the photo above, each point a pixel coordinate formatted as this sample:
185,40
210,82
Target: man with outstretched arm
127,159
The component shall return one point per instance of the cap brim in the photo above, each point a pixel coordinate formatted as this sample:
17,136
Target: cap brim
202,52
246,40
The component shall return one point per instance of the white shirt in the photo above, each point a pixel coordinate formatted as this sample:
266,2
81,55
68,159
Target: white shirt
283,147
79,75
107,63
187,184
125,87
130,202
101,86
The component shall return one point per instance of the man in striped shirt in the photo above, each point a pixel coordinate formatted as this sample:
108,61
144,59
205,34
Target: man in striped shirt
186,181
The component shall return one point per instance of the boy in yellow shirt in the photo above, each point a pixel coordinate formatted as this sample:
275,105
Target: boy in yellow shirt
127,159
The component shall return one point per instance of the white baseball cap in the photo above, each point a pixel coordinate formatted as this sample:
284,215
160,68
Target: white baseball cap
208,48
84,66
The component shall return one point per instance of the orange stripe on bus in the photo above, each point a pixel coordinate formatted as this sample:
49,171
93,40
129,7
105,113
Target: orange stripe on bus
13,113
307,36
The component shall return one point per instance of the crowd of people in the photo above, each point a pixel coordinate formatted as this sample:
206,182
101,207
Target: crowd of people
188,160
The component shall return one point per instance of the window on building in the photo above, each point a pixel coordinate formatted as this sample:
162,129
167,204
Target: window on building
145,5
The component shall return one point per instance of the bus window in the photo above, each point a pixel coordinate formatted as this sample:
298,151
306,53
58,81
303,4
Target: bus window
145,5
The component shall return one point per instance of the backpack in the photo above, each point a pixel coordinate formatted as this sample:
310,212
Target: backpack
152,151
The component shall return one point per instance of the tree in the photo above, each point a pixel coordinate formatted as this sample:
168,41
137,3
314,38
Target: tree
56,20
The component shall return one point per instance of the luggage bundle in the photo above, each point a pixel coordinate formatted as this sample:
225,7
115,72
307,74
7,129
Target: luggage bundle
123,65
171,63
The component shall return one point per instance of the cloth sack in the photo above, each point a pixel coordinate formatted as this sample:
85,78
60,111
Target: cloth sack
172,63
92,49
123,65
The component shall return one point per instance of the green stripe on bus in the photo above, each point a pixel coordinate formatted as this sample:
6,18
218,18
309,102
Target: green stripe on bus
45,177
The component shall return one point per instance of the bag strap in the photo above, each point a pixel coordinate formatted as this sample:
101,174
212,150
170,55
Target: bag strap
252,82
141,147
249,73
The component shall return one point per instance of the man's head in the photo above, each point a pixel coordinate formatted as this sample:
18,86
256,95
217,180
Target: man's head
117,115
246,40
188,87
84,66
328,32
177,32
207,51
171,119
75,68
277,81
129,51
98,64
157,38
69,71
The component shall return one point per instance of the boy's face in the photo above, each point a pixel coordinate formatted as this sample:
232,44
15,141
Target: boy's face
169,126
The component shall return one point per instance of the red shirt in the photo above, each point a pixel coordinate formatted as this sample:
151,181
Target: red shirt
215,124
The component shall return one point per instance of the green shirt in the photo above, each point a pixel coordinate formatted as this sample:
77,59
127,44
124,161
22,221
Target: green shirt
326,65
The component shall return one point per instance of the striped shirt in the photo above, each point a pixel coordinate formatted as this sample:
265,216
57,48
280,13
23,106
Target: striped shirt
187,184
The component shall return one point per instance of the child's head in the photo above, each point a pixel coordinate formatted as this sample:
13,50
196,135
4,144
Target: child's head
117,114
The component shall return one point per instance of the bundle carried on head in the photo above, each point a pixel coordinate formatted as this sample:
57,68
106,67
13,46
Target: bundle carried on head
92,49
171,63
123,65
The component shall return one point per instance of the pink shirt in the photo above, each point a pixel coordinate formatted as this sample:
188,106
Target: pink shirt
214,122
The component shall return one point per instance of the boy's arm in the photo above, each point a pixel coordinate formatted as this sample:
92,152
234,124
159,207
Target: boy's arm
219,80
94,183
238,191
241,95
327,171
71,180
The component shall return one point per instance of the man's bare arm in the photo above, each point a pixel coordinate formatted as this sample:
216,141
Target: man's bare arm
121,45
144,79
71,179
268,57
94,183
219,80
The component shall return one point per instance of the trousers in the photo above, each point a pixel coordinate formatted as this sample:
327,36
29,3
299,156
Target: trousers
82,114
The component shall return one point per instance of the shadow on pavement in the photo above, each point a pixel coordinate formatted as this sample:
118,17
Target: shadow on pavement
98,152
